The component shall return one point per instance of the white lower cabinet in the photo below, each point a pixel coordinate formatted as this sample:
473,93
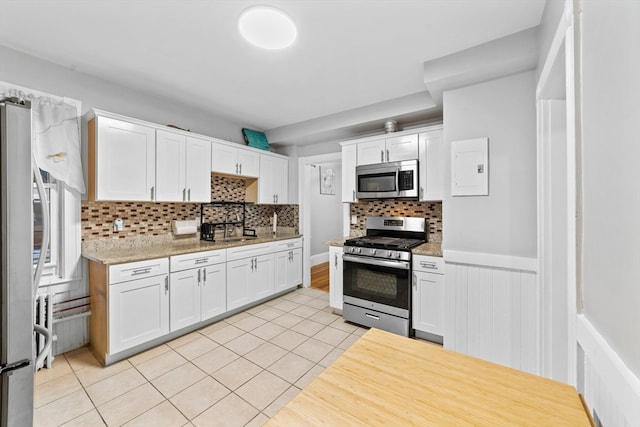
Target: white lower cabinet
250,274
428,294
287,264
139,307
335,277
197,287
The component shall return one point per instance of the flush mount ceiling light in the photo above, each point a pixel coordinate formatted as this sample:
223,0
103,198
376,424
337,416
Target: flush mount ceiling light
267,27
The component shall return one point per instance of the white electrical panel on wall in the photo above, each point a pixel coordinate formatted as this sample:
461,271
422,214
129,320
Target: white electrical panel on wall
470,167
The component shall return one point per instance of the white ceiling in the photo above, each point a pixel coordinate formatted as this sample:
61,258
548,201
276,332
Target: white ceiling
351,55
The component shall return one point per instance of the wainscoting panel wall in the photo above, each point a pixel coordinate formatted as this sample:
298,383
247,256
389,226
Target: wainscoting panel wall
610,389
492,309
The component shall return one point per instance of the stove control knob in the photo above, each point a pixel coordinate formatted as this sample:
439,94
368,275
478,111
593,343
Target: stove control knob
359,250
373,251
397,254
389,254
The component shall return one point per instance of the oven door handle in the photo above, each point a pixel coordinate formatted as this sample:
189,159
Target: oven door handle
375,261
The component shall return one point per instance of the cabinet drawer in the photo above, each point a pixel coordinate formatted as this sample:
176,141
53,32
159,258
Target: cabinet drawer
285,245
247,251
428,264
197,259
137,270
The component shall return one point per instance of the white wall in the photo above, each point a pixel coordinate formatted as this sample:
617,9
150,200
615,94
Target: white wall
504,222
326,210
38,74
611,174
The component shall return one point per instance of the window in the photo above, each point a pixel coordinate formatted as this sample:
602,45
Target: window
53,194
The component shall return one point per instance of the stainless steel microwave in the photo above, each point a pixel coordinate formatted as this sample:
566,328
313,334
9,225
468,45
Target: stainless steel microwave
391,180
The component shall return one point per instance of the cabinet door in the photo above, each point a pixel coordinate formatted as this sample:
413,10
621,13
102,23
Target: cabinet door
266,182
280,264
170,167
185,298
371,152
349,173
198,170
213,292
125,161
401,148
239,275
294,267
280,173
261,283
224,159
428,302
431,164
249,163
335,277
138,312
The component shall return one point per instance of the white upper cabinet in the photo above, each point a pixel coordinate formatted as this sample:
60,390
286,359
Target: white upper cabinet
170,166
183,171
227,159
371,152
273,184
121,160
401,148
349,156
431,164
198,170
392,149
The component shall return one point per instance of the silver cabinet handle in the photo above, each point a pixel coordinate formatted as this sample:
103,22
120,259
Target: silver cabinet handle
415,281
166,285
256,259
251,264
431,265
237,171
354,195
387,155
189,194
201,260
199,277
153,190
422,192
204,275
335,260
372,316
141,271
240,168
184,194
381,156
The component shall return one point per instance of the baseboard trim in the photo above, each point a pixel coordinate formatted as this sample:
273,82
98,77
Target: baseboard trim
319,259
494,260
620,380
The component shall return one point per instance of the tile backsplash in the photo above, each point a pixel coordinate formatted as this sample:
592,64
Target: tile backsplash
155,219
431,211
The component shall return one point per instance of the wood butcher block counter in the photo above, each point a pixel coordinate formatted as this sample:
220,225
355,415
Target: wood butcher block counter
388,380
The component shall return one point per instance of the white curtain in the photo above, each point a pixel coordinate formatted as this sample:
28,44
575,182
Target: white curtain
56,139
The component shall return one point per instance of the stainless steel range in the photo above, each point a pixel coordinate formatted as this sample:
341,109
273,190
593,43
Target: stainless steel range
377,273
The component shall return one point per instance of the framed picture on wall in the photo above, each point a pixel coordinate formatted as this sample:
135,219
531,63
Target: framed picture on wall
327,180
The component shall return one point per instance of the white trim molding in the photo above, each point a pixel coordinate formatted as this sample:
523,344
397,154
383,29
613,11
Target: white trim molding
508,262
610,387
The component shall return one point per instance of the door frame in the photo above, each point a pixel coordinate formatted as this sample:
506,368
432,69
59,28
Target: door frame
558,74
305,166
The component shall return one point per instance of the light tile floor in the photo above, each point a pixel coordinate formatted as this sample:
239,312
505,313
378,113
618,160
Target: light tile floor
236,372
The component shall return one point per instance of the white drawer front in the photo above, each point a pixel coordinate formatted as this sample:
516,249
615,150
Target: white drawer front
285,245
136,270
247,251
197,259
428,264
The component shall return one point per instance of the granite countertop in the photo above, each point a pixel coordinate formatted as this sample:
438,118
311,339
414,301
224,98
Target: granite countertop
121,254
430,248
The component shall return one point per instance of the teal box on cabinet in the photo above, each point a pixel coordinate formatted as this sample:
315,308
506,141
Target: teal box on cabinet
255,139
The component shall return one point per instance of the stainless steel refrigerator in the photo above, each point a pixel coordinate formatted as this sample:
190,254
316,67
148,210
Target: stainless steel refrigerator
17,352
